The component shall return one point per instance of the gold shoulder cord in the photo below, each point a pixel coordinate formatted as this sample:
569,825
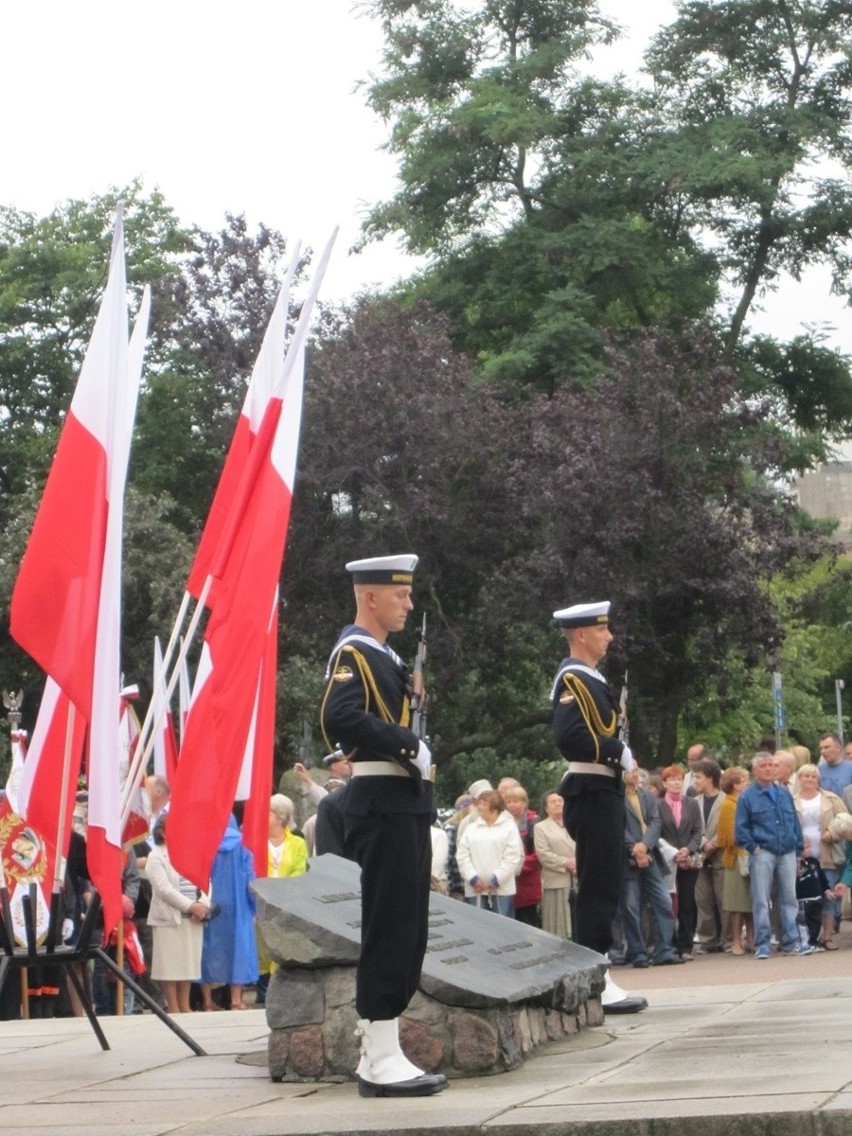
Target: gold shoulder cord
369,687
589,710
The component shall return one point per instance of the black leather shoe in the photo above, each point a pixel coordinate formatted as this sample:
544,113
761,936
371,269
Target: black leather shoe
641,964
423,1086
632,1004
675,960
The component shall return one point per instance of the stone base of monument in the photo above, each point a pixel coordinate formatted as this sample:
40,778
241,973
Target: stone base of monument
492,990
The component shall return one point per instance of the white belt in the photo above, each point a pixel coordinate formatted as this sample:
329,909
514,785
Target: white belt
378,769
590,767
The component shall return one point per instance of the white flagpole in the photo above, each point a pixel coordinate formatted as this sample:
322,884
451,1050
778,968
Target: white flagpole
156,713
150,725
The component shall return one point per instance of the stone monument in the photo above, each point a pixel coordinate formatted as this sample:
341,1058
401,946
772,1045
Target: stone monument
491,990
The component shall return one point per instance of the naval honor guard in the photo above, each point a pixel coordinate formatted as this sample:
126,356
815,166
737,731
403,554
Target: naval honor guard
387,818
585,727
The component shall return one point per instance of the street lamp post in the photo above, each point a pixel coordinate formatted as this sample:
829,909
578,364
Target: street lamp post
839,687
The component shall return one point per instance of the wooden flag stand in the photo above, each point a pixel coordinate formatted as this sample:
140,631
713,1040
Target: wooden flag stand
69,958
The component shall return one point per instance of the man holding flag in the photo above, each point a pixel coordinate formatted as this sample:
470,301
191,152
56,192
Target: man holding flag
388,813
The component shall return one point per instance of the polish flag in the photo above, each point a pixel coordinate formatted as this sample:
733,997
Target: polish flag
264,376
136,826
235,644
104,854
184,697
58,727
54,754
165,743
27,847
255,783
13,781
65,608
244,557
56,598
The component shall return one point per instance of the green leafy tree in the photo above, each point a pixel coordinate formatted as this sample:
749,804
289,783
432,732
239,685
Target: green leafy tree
644,488
52,273
518,178
554,206
735,708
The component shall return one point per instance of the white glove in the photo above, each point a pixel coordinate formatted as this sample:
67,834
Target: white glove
627,759
67,930
423,761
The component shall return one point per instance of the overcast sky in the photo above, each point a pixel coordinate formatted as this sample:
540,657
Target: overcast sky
249,108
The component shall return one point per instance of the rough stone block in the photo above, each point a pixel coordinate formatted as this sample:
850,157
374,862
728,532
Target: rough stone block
594,1013
277,1053
339,983
294,998
553,1025
306,1052
424,1049
341,1044
475,1042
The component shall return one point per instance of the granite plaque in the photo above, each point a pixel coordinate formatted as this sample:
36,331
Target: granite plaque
474,957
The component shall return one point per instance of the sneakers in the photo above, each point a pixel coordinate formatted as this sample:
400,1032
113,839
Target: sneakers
762,953
799,949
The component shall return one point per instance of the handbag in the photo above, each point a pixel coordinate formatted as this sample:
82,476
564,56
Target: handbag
742,862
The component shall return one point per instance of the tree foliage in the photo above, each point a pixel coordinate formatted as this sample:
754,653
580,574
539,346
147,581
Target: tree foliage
644,488
555,206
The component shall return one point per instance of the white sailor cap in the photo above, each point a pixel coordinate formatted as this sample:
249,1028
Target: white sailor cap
383,569
583,615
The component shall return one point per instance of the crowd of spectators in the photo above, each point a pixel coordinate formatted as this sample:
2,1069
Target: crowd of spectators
740,860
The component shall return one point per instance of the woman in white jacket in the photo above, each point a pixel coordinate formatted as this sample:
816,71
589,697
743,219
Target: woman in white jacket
176,914
490,855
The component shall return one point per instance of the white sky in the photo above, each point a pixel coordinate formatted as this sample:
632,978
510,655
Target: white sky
250,108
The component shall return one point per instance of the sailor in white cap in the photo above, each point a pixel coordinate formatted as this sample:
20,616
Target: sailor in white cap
585,726
388,813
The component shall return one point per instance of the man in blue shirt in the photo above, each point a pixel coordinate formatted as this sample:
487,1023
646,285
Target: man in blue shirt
835,772
767,826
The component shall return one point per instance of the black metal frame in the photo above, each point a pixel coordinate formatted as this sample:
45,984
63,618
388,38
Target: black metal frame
67,958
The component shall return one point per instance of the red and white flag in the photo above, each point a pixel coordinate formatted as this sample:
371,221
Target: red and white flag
165,743
56,598
59,727
235,643
27,856
255,781
184,695
37,793
65,608
265,374
245,562
136,826
104,854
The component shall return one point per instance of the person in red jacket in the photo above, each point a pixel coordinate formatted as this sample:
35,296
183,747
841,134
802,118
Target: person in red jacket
528,893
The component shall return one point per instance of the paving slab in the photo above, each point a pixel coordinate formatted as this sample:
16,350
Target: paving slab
743,1051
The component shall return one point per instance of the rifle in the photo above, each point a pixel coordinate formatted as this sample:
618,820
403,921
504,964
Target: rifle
418,694
623,723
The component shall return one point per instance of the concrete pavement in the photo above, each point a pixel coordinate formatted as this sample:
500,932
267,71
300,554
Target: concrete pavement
727,1046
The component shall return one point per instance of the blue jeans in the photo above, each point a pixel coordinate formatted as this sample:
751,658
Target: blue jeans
764,868
831,906
648,883
500,904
